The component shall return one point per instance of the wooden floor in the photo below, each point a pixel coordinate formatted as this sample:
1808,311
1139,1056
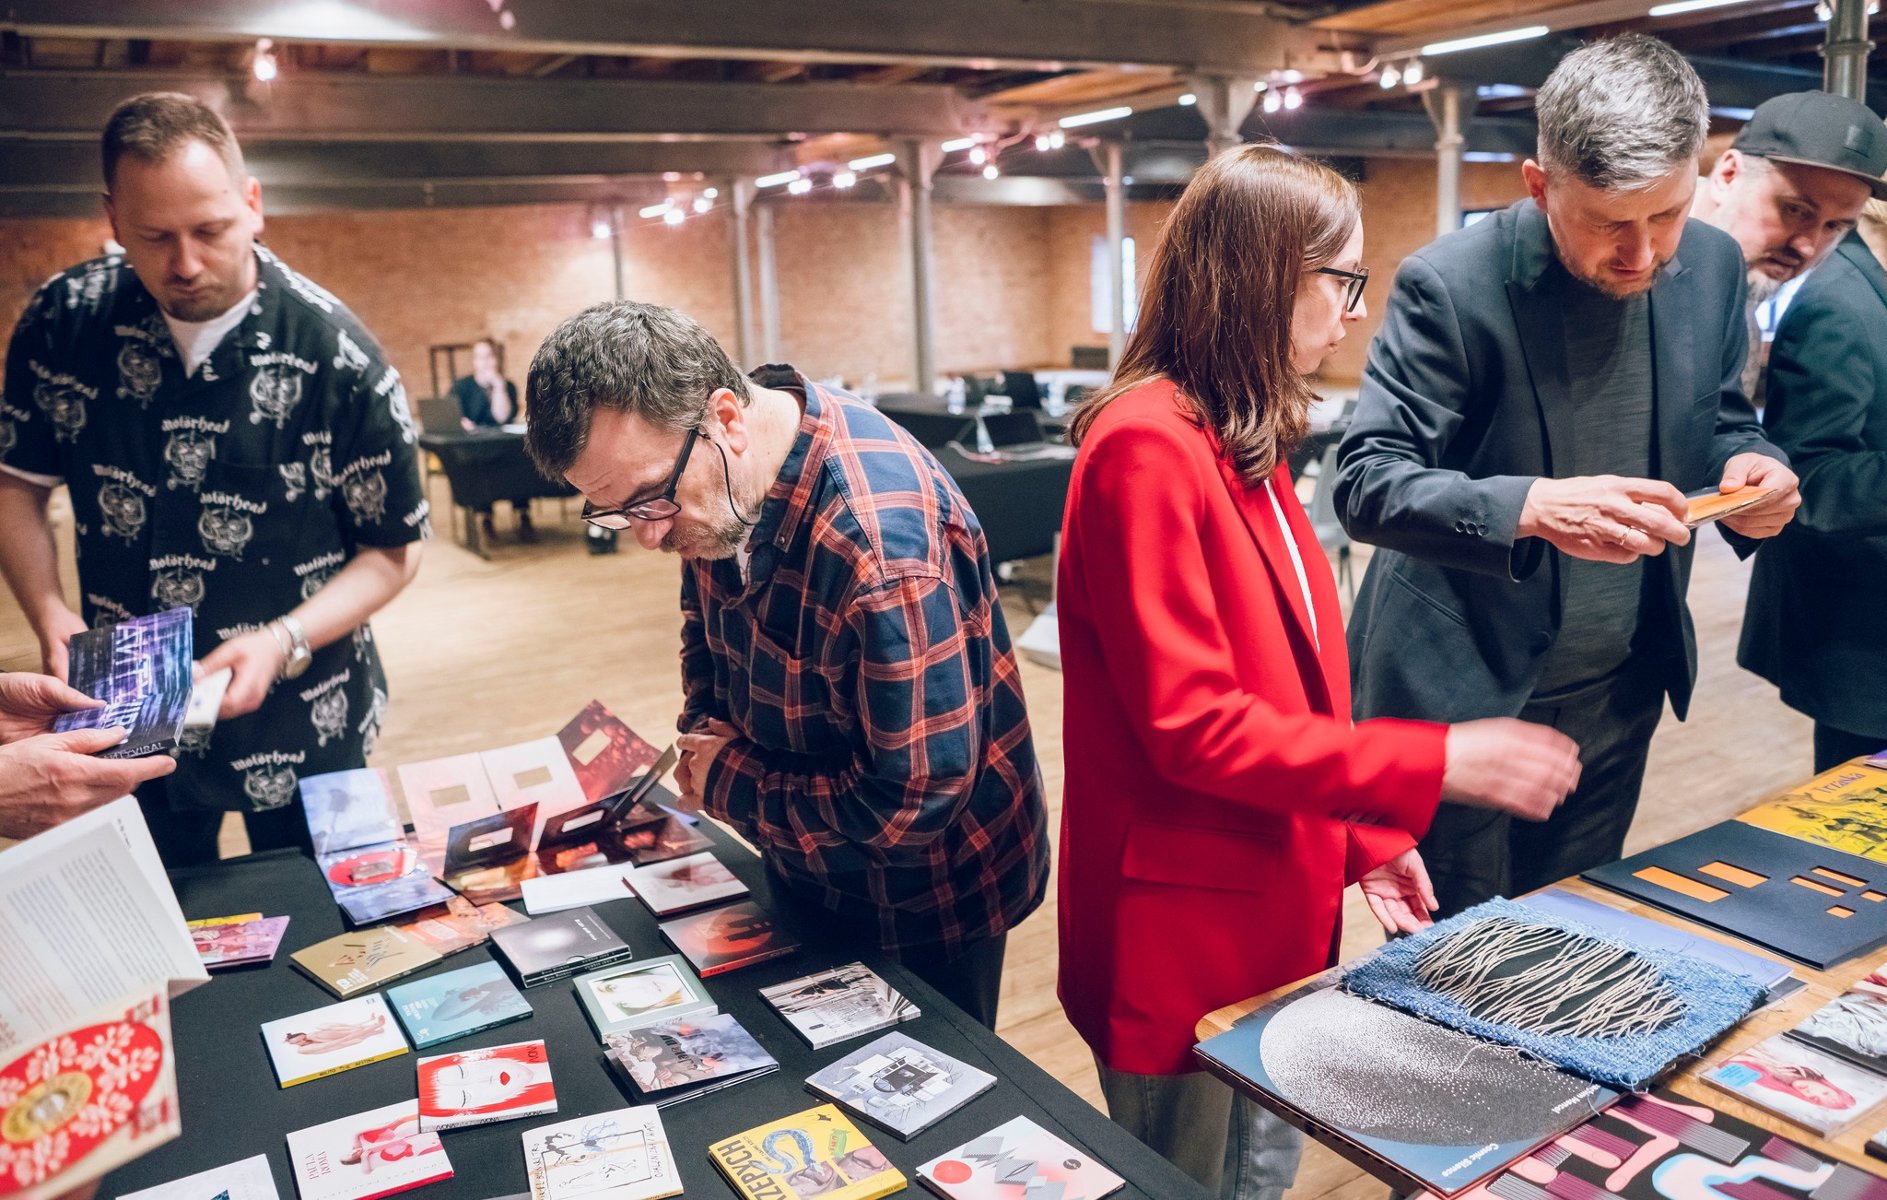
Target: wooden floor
483,653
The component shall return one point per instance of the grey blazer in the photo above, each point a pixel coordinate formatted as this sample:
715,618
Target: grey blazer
1814,625
1464,397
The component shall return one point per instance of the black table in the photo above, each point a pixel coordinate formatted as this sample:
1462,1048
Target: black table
1019,503
233,1109
485,466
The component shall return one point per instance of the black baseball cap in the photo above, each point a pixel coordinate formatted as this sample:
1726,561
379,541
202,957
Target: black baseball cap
1819,129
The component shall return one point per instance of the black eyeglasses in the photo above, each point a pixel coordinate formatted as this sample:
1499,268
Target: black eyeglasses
1353,282
657,508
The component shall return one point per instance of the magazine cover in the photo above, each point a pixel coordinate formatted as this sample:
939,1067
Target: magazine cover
459,925
477,1087
371,883
141,669
657,841
535,772
1412,1102
328,1040
370,1154
1852,1026
728,938
1019,1158
844,1002
238,943
346,809
605,754
620,1155
1800,1083
457,1003
561,944
640,993
1661,1146
901,1084
1844,809
817,1152
86,1098
685,883
249,1179
351,963
681,1053
441,793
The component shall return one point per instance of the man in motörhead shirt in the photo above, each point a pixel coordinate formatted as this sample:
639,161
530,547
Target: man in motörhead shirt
233,441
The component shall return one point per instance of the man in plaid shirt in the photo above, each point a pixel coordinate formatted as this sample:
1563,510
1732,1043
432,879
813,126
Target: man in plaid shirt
852,703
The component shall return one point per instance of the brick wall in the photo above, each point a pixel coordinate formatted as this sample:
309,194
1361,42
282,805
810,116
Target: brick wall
1012,283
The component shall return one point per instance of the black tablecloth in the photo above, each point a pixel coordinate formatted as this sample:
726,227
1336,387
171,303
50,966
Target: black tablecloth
487,466
232,1107
1018,503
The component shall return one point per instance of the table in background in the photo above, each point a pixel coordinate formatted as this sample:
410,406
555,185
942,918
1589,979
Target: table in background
483,467
232,1108
1823,986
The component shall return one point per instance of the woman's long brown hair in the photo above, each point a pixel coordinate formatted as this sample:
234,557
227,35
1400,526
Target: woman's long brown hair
1215,312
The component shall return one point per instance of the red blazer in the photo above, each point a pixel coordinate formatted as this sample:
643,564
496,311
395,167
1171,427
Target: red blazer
1218,796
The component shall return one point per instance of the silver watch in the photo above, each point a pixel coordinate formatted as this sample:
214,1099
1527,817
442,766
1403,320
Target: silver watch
297,651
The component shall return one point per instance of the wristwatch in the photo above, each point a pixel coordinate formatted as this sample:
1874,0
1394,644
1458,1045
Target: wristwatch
294,642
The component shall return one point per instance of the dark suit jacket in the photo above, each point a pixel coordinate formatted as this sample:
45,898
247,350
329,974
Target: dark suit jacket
1814,626
475,402
1464,397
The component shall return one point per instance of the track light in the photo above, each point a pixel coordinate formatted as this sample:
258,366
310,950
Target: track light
703,203
674,216
844,179
776,179
800,186
263,63
990,171
1389,78
1273,102
1293,99
1412,74
978,155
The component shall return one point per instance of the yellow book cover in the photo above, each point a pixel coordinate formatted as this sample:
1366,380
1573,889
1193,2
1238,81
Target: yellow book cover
1843,809
351,963
818,1152
240,919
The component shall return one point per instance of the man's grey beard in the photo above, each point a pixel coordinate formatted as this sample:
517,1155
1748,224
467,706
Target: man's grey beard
1763,288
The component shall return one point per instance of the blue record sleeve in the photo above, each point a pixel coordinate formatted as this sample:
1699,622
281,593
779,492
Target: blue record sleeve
457,1003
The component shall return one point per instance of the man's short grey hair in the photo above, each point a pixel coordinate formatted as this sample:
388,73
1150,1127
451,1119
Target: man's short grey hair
1621,114
644,359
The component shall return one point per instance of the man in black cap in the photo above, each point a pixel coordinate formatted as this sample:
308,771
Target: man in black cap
1789,187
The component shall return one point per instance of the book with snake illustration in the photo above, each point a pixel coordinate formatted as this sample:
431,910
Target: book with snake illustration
818,1152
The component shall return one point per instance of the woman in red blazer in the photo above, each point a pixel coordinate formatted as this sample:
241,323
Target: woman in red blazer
1218,797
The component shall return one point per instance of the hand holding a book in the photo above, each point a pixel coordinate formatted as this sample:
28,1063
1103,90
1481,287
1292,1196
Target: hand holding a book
1399,894
1767,516
256,659
698,752
1515,767
1605,518
48,778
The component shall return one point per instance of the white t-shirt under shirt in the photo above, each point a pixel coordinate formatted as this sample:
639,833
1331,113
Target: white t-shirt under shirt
1297,559
197,340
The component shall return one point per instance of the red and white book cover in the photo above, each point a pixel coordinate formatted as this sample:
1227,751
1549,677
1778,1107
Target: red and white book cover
376,1153
477,1087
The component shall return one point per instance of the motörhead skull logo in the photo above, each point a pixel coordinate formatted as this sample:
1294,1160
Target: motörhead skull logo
366,497
274,393
139,373
122,511
64,406
402,414
347,353
225,530
294,480
176,587
321,471
188,454
269,787
195,739
329,714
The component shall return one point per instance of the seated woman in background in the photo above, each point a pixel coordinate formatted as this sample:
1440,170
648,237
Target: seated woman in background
487,399
1218,798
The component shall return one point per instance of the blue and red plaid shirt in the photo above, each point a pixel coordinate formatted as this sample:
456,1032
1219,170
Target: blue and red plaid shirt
885,768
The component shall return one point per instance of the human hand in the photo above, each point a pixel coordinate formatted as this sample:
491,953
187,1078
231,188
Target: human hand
28,704
54,632
698,752
49,778
1399,894
255,660
1512,766
1766,517
1605,518
467,424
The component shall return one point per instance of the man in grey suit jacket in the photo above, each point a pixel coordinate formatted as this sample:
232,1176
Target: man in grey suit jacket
1813,626
1545,387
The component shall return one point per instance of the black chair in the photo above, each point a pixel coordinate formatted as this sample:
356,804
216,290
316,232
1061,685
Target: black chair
1090,358
1021,388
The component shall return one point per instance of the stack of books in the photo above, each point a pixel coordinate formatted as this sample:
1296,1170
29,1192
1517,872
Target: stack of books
546,949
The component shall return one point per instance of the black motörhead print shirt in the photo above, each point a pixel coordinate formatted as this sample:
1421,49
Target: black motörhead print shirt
237,490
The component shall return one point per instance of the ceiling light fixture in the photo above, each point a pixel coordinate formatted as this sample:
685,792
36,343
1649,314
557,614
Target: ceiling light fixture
264,64
775,180
872,161
1096,117
674,216
1389,78
844,179
956,144
1481,40
800,186
1293,99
